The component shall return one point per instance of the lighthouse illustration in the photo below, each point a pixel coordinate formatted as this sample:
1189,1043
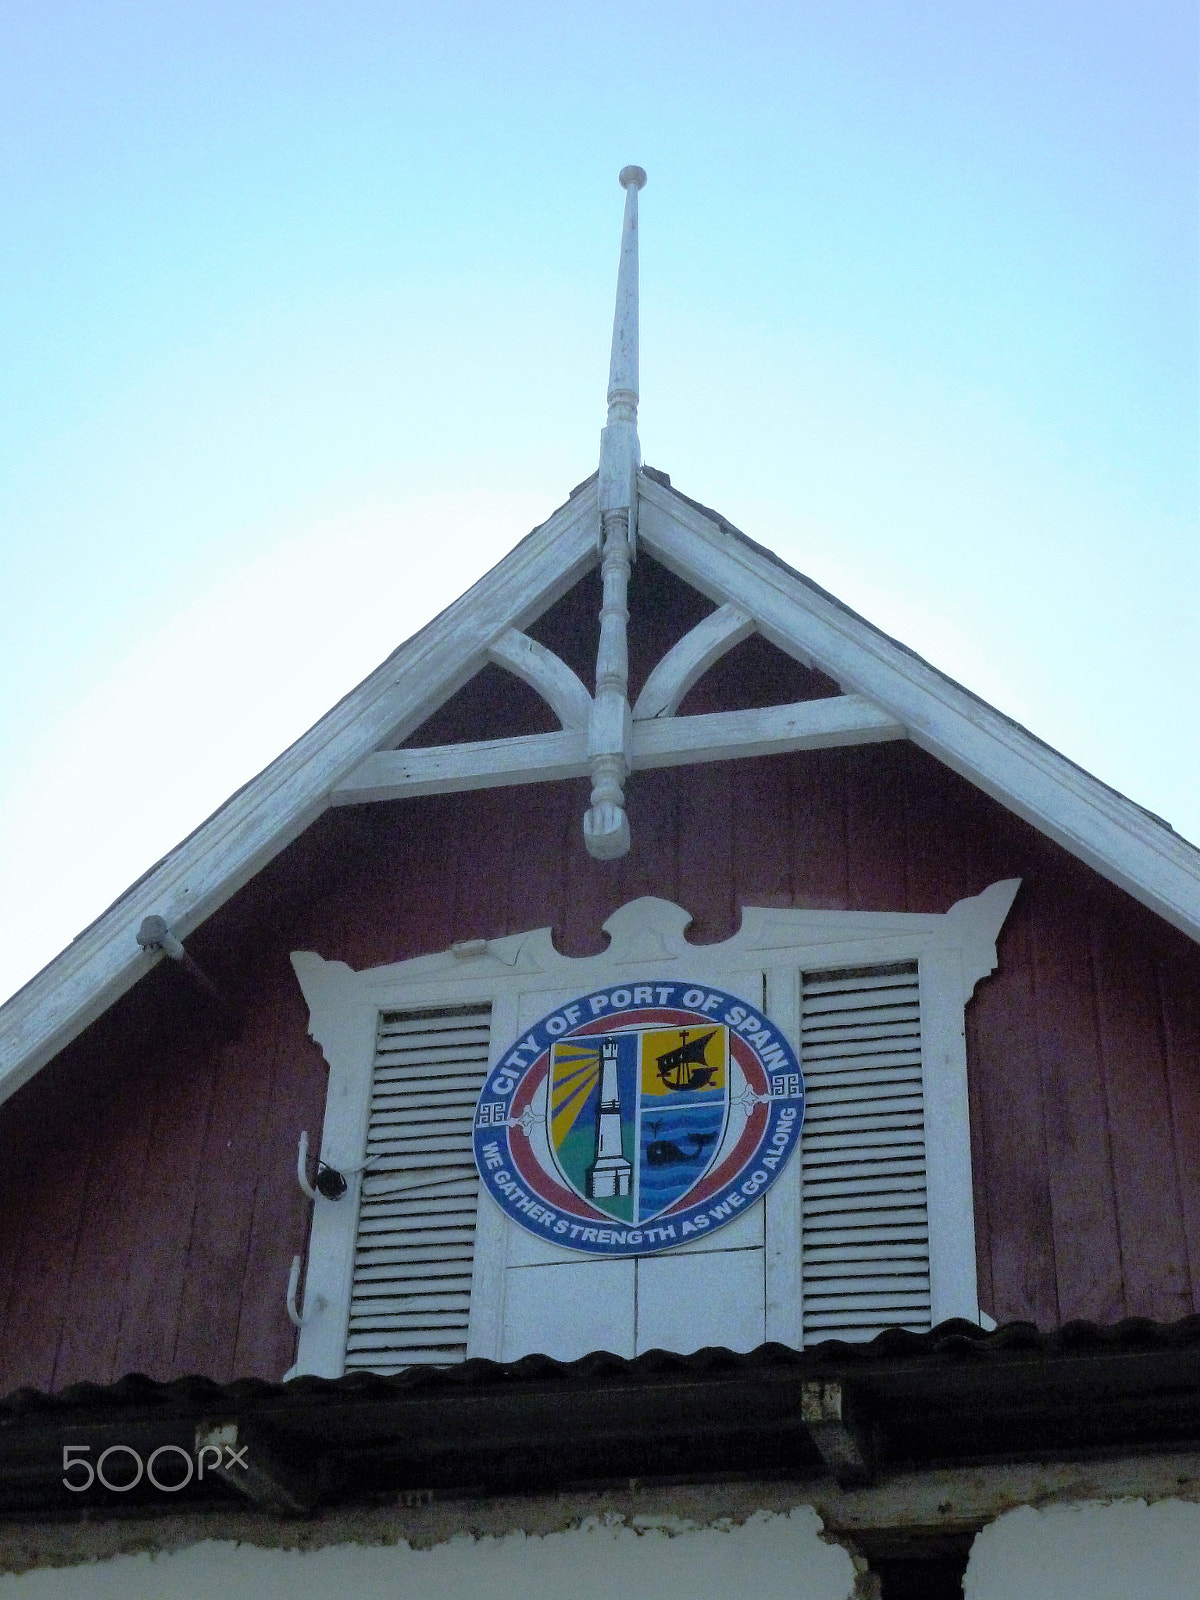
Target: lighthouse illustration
610,1174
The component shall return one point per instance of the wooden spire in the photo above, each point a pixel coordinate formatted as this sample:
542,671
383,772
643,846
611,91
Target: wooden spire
610,729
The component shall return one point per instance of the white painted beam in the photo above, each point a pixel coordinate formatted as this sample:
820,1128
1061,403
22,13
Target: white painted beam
259,821
688,659
1122,842
662,742
548,674
447,768
733,735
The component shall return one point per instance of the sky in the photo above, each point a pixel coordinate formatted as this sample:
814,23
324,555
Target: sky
304,322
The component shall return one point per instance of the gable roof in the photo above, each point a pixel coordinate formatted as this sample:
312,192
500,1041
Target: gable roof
1124,843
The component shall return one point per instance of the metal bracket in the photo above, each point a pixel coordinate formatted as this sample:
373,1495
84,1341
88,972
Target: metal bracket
296,1317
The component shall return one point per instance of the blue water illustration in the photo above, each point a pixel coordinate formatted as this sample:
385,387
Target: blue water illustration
679,1136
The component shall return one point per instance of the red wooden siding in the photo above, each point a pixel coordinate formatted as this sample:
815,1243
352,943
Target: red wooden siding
148,1204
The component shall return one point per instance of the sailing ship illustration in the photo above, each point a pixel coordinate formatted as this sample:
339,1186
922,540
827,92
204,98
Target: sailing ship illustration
685,1066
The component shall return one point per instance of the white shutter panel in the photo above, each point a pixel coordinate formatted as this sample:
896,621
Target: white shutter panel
865,1220
411,1294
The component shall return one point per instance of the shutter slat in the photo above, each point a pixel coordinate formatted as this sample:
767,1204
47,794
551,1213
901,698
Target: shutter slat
442,1055
869,1053
856,997
861,1085
839,1143
907,1188
444,1260
411,1308
821,983
406,1102
383,1230
411,1292
828,1172
449,1341
390,1369
896,1250
873,1233
842,1212
870,1283
874,1117
411,1080
432,1181
865,1220
904,1026
460,1208
420,1144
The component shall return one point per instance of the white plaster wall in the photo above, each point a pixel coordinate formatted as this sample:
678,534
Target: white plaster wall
1126,1550
773,1556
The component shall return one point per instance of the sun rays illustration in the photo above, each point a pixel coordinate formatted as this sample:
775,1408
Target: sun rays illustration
576,1072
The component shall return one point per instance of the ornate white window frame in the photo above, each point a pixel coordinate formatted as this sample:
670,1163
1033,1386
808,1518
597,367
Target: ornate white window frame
523,976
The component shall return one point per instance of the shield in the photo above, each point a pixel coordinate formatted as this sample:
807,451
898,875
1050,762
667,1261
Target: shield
683,1107
636,1117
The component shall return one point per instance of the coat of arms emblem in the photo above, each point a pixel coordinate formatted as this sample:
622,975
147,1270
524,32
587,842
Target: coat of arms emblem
636,1118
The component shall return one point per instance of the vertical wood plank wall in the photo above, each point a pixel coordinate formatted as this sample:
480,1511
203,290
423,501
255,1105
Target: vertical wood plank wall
148,1204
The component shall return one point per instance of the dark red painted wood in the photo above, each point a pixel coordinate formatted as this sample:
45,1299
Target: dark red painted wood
266,1340
1015,1184
1179,1002
1079,1152
1146,1180
817,790
109,1230
47,1220
876,860
150,1209
762,834
175,1112
219,1241
982,1162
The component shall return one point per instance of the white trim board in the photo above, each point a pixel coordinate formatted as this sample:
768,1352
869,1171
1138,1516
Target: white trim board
523,975
252,827
1124,843
663,742
1110,833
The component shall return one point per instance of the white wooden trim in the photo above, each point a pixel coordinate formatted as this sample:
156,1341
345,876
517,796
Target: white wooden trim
523,974
662,742
689,659
784,1221
485,1332
731,735
953,1288
346,1033
1121,841
541,669
259,821
448,768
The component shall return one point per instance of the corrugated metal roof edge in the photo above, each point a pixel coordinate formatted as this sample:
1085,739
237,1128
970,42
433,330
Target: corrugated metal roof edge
950,1343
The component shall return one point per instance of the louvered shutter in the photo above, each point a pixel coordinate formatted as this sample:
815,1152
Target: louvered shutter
415,1245
865,1218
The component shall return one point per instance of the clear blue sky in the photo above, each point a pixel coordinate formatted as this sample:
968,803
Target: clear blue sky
304,313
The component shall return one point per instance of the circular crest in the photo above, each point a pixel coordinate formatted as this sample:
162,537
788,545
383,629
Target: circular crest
638,1117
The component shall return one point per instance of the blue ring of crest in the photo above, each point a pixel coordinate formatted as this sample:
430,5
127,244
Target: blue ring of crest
493,1151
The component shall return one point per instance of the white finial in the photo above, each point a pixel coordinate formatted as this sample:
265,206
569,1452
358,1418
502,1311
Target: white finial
620,451
623,367
610,731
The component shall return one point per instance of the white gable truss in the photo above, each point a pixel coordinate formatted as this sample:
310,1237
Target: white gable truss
350,756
